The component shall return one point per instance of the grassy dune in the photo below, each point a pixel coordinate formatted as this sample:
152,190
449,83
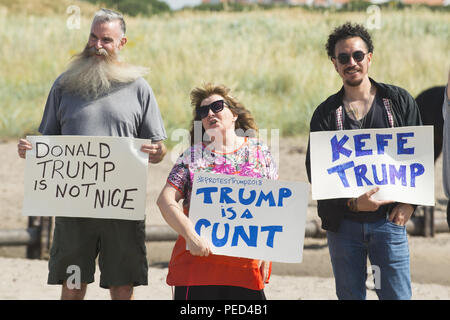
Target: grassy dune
274,60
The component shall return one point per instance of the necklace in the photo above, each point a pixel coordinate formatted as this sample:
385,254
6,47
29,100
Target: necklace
358,110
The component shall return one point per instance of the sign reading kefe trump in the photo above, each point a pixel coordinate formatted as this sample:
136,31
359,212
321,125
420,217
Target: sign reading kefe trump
250,217
80,176
348,163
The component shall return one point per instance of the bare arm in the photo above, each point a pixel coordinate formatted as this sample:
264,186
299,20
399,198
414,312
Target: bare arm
174,216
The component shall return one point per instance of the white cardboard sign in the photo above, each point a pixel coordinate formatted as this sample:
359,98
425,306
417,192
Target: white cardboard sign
250,217
83,176
348,163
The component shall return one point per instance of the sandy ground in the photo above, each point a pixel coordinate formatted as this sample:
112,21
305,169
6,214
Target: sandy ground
313,279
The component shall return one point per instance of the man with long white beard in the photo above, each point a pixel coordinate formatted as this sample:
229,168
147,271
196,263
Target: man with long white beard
98,95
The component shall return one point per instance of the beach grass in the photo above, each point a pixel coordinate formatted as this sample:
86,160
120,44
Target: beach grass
274,61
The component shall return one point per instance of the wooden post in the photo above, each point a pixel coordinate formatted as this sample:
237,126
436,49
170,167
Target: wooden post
428,222
34,250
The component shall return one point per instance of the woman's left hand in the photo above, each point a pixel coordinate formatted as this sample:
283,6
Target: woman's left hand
264,269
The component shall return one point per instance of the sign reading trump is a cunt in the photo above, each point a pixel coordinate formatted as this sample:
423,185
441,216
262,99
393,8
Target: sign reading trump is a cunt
250,217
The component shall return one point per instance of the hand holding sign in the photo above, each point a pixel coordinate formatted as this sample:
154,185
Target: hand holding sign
22,147
156,151
198,246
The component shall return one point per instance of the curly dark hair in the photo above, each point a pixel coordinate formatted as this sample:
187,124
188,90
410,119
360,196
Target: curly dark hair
345,31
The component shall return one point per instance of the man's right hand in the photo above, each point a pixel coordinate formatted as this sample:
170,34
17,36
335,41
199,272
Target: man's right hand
365,202
23,146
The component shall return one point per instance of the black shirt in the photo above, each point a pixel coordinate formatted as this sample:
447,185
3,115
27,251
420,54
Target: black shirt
376,118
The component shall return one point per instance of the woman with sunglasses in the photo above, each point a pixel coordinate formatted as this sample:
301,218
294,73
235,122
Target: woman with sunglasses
221,146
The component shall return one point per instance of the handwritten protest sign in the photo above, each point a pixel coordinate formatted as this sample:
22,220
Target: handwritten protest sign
79,176
250,217
348,163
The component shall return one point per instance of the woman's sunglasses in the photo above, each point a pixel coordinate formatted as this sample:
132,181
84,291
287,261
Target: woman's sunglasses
344,58
215,107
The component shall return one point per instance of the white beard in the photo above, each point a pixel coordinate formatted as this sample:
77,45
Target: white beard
91,76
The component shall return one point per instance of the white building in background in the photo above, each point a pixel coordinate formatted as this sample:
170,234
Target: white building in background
178,4
327,3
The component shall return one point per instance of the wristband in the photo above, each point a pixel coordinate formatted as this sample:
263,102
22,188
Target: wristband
353,204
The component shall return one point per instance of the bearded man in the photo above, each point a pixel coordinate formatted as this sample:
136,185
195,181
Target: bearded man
98,95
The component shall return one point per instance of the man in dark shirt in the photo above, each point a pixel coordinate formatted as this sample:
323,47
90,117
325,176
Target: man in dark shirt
363,227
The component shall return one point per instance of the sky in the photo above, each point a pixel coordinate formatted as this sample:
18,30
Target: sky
177,4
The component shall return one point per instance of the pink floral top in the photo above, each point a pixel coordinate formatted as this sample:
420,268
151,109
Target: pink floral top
252,159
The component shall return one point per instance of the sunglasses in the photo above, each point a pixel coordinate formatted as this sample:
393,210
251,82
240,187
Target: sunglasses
215,107
344,58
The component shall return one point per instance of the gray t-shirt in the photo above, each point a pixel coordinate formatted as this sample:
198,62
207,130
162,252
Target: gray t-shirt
128,110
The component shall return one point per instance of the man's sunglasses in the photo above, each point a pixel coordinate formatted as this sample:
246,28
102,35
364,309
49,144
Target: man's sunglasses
344,58
215,107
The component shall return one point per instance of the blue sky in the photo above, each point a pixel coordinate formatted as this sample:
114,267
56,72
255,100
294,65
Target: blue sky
177,4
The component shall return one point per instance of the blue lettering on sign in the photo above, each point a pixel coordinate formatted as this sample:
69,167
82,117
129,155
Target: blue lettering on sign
382,142
401,141
207,193
249,200
284,193
216,241
271,235
416,170
375,175
266,197
395,174
226,196
382,174
337,147
360,174
200,223
359,144
340,169
247,214
399,174
239,232
233,213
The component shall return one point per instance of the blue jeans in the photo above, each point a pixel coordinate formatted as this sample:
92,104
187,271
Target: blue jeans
386,245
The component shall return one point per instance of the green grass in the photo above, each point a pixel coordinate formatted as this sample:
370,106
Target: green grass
274,61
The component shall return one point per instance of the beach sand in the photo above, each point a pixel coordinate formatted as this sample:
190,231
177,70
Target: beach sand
312,279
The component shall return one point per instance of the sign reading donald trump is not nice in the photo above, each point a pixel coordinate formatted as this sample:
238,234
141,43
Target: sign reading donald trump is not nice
81,176
250,217
348,163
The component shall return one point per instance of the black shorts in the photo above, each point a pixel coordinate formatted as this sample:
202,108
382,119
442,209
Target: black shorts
119,245
217,293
